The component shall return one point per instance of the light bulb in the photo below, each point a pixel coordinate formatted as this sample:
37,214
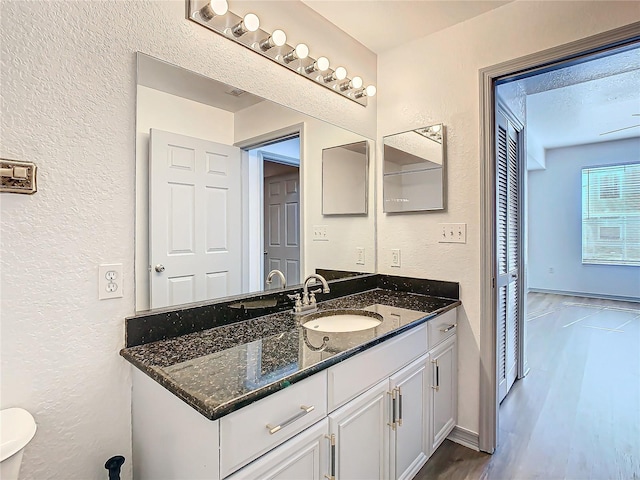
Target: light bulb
341,73
436,128
301,51
323,64
279,38
213,8
320,65
276,39
250,23
370,91
354,83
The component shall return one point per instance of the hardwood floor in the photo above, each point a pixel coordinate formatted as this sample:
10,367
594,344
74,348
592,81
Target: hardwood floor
576,415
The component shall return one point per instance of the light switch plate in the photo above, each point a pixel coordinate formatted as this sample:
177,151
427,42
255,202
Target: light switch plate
18,177
359,255
110,281
452,233
320,233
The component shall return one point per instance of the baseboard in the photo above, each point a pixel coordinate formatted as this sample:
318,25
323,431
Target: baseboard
586,295
465,437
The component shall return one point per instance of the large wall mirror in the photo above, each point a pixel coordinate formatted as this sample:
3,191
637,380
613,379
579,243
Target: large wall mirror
228,187
414,170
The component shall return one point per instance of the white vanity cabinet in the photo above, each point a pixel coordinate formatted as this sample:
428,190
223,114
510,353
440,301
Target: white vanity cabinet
443,358
377,415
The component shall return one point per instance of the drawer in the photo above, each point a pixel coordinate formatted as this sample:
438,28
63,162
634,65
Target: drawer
442,327
253,430
353,376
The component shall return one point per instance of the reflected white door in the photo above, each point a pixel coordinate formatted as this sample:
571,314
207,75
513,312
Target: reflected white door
194,219
282,227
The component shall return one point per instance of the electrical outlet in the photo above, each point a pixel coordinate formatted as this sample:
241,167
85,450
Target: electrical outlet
320,233
110,281
359,256
395,257
452,233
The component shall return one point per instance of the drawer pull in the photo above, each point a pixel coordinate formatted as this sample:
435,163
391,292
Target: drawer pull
449,328
301,414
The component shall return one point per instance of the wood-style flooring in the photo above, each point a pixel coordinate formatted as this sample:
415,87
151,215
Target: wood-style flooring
576,415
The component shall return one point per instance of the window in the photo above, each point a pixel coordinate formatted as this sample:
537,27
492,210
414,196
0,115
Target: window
611,215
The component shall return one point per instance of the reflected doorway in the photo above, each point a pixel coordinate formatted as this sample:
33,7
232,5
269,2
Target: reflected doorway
274,182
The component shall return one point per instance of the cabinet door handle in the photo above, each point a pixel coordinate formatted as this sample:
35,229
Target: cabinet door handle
449,328
436,387
332,456
273,429
399,407
392,394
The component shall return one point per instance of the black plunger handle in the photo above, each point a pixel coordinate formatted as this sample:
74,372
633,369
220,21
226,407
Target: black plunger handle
113,465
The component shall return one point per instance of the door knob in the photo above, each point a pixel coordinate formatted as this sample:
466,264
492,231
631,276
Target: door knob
159,268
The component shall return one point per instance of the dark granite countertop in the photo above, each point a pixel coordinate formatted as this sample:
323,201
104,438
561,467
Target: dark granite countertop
222,369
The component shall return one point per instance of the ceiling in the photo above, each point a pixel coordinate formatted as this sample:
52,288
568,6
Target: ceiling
381,25
580,103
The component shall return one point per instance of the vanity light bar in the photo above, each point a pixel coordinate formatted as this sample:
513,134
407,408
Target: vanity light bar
215,15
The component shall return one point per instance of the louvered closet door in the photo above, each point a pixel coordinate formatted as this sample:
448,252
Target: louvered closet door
508,250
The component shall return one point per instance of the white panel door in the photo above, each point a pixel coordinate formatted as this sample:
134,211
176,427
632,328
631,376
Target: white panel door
508,231
282,227
361,434
194,219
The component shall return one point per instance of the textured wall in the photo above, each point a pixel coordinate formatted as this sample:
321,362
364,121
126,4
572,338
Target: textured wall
68,104
435,79
555,223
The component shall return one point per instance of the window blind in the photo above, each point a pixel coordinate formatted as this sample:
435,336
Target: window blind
611,215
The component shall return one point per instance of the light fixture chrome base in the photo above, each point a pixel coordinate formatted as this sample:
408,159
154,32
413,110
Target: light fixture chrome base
223,24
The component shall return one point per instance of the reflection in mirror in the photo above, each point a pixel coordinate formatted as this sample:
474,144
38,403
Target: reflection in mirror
414,170
228,188
344,179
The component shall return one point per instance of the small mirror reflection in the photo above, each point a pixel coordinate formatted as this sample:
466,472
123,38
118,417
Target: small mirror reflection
414,170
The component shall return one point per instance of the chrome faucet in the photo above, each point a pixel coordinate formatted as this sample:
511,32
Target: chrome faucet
272,274
307,303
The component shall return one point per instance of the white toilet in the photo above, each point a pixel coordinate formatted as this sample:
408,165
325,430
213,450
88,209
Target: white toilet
17,428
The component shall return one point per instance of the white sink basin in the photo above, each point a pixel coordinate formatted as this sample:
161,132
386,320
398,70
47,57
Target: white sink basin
336,321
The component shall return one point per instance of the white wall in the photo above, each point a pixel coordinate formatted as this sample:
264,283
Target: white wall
555,223
436,79
68,104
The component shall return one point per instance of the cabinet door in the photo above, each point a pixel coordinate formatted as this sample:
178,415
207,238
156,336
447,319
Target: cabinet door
444,390
303,457
360,431
409,439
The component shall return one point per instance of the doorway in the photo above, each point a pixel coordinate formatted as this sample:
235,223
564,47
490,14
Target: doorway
273,187
489,352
